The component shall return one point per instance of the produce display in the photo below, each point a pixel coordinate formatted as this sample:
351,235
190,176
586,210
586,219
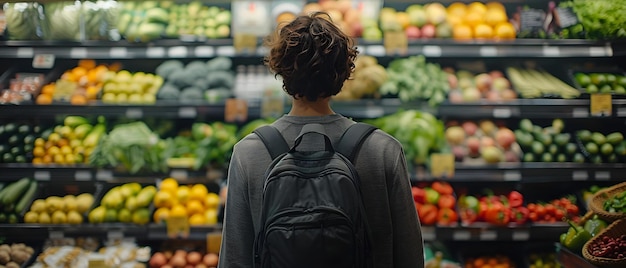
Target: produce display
435,203
413,78
15,255
557,210
21,88
599,19
482,142
469,87
497,260
193,201
609,247
616,203
547,144
204,145
25,21
532,83
601,82
67,209
543,260
85,251
367,78
14,198
601,148
347,17
124,87
182,258
20,142
127,203
63,20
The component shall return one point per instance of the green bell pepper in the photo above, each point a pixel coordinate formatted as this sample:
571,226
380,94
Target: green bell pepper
595,225
576,237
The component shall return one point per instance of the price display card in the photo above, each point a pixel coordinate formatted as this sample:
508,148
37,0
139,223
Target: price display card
395,43
213,242
245,43
442,165
532,20
250,17
601,105
236,110
177,226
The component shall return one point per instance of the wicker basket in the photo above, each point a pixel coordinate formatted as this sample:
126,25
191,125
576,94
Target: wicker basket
615,229
598,199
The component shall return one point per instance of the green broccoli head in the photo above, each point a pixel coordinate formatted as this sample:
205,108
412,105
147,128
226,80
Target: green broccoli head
168,92
168,67
219,64
191,94
181,78
197,69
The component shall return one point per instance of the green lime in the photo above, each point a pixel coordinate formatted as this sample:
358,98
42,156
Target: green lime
578,158
582,79
610,79
619,89
606,89
591,88
592,148
598,79
621,80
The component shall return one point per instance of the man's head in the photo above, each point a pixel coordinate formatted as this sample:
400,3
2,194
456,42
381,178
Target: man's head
312,55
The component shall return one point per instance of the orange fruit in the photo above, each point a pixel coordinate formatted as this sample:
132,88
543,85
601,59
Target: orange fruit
483,31
87,64
198,192
164,199
194,206
48,89
505,31
495,6
477,7
79,72
169,184
38,151
182,194
178,210
44,99
474,18
495,17
212,201
161,214
462,32
78,99
197,219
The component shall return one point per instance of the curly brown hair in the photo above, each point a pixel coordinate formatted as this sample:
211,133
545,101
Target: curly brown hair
312,55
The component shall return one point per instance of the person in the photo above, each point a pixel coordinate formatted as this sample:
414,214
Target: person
314,58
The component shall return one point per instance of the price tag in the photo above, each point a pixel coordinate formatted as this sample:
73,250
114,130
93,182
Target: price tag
580,113
488,51
179,174
78,52
461,235
520,235
42,175
155,52
442,165
501,112
245,43
374,112
603,175
580,175
187,112
236,110
512,176
104,175
565,17
115,234
56,235
395,43
204,51
82,175
431,51
488,235
25,52
598,52
429,233
213,242
601,105
134,113
226,51
43,61
177,226
376,50
272,105
621,112
177,52
118,52
551,51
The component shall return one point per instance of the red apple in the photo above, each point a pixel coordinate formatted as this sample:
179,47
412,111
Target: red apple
428,31
470,128
413,32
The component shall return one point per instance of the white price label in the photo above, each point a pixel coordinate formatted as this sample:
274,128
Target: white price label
580,112
43,61
115,234
429,233
226,51
42,175
512,176
25,52
374,112
376,50
78,52
431,51
134,113
461,235
551,51
603,175
104,175
488,235
598,52
179,174
56,235
118,52
187,112
177,52
204,51
621,112
488,51
580,175
82,175
502,112
520,235
155,52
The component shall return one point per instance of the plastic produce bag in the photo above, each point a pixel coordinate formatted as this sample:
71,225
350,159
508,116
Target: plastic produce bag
63,20
25,21
100,19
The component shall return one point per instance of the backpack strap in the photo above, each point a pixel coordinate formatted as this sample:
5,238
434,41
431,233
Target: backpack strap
273,140
351,140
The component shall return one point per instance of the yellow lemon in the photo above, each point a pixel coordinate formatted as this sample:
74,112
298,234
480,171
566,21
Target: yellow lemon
31,217
38,206
198,192
178,211
169,184
161,214
211,216
212,200
194,206
182,194
197,219
163,199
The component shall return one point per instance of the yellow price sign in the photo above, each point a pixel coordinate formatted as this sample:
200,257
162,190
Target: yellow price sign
395,42
213,242
245,43
601,105
236,110
442,165
177,226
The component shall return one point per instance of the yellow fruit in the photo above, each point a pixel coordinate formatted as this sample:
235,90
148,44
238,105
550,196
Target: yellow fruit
197,219
178,211
73,217
169,184
84,202
38,151
69,203
141,216
477,7
54,150
31,217
505,30
54,203
462,32
161,214
212,201
96,215
182,194
163,199
59,159
194,206
474,18
110,215
495,17
124,215
38,206
59,217
211,216
131,203
44,218
483,31
198,192
39,142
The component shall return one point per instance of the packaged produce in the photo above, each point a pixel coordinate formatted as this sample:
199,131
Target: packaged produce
100,20
25,21
63,20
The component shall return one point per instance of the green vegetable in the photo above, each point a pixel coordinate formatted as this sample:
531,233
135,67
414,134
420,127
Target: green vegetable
197,69
167,67
601,19
26,197
225,79
576,237
191,94
74,121
63,20
168,92
25,21
219,64
595,225
11,193
92,139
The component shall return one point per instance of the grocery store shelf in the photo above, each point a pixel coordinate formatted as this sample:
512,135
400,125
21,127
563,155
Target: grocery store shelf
526,108
174,48
533,172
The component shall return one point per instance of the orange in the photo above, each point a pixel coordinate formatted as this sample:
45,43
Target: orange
87,64
78,99
483,31
48,89
198,192
37,160
178,210
474,18
495,6
44,99
212,201
495,17
454,19
194,206
163,199
161,214
38,151
477,7
505,31
170,185
403,19
197,219
79,72
462,32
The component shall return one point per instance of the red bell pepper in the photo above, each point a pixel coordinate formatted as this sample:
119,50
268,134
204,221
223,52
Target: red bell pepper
497,214
442,187
446,201
468,209
419,194
519,215
427,214
446,216
515,199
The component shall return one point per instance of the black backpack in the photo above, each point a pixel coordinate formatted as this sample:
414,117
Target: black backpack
312,212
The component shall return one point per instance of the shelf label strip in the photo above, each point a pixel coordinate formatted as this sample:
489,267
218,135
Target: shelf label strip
177,52
551,51
603,175
512,175
187,112
204,51
488,51
134,113
82,175
580,175
429,233
520,235
118,52
155,52
42,175
488,235
78,53
431,51
461,235
25,52
502,112
104,175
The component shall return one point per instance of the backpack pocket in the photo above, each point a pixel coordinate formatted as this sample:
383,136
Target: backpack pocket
315,237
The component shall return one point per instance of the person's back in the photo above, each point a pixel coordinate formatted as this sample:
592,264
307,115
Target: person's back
396,239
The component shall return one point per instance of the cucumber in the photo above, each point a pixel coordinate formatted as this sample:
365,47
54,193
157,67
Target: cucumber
17,189
26,197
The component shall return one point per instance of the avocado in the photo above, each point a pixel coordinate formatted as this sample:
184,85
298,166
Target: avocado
17,150
598,138
7,158
578,158
612,158
584,135
558,125
596,159
3,149
562,139
14,140
620,149
10,128
2,131
592,148
24,129
571,148
29,139
537,147
545,138
524,139
20,159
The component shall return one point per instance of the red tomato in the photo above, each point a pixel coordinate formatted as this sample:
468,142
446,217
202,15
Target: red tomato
446,201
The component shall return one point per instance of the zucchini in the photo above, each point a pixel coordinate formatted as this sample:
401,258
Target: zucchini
17,189
26,197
